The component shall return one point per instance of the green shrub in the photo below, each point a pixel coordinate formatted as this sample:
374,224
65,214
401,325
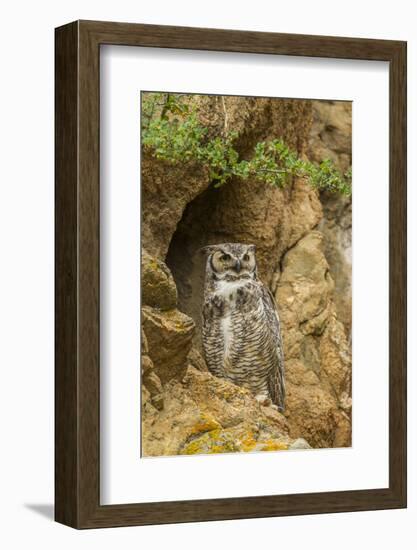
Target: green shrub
171,131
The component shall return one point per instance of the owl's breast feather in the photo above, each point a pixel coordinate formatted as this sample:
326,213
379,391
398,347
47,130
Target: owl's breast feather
228,291
226,328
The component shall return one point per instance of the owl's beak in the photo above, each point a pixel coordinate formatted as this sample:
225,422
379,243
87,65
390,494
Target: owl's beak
237,266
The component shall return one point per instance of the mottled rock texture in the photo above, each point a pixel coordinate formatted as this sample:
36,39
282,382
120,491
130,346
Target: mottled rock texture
185,409
318,368
157,284
169,335
205,414
331,137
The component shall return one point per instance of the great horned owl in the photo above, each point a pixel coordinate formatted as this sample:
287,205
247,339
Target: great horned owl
241,329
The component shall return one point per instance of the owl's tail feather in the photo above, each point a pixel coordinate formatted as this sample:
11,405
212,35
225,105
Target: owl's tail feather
276,387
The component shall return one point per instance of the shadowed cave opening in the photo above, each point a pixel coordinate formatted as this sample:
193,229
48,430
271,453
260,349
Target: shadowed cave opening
207,219
184,257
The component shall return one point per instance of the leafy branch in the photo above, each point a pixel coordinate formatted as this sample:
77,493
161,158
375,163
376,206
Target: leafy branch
171,131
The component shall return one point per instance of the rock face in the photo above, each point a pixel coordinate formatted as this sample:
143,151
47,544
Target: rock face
315,347
185,409
166,332
331,137
331,133
166,191
169,335
151,383
157,284
204,414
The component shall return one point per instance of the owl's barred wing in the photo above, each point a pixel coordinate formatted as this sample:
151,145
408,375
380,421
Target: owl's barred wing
213,338
276,379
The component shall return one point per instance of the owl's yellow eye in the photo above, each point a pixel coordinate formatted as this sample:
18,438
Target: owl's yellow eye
225,257
246,258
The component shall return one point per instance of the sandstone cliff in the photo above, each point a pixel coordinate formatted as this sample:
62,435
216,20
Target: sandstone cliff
302,241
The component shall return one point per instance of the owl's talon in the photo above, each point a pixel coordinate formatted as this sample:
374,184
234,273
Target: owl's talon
263,400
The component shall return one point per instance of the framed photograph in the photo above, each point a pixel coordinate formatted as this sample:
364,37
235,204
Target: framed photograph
230,274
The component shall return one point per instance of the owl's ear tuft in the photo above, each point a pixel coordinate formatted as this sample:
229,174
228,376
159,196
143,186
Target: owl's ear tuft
207,250
252,247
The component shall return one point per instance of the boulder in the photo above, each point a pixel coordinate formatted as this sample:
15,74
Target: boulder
205,414
299,444
158,285
169,335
